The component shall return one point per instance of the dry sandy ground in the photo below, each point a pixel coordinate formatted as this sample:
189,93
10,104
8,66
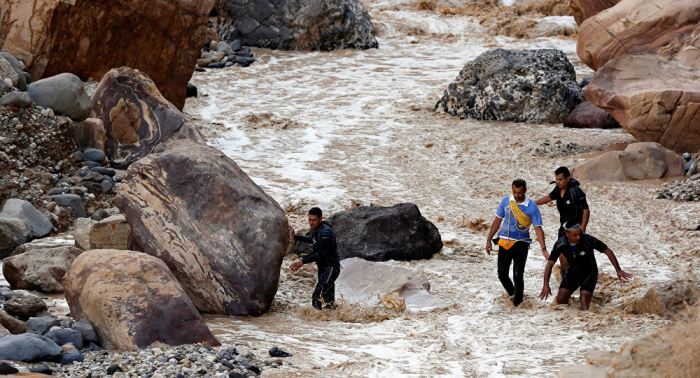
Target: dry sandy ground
332,128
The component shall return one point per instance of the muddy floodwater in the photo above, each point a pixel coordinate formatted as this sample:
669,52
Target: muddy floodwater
333,129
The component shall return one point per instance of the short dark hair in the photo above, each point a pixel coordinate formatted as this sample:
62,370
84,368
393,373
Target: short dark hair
520,183
316,211
563,170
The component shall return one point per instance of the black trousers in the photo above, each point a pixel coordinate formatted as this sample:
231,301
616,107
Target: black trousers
325,288
517,255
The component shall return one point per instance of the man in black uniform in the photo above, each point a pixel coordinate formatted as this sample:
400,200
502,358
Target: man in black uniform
583,270
325,254
571,203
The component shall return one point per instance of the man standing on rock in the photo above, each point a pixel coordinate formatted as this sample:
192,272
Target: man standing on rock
514,239
571,203
583,270
325,254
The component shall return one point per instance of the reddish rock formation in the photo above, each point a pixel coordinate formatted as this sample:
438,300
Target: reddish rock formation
220,234
89,134
584,9
589,116
634,26
136,116
639,161
133,301
90,37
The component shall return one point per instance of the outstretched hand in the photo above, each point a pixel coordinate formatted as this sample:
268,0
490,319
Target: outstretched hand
546,292
622,275
290,229
296,265
545,253
488,247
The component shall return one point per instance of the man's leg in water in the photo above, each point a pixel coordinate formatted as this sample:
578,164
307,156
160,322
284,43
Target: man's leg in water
323,279
504,260
563,262
329,289
563,296
585,300
519,251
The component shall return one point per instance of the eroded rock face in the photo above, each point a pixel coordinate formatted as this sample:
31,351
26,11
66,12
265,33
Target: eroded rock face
397,232
136,116
297,24
639,161
655,99
40,269
535,86
133,301
589,116
220,234
584,9
634,26
89,38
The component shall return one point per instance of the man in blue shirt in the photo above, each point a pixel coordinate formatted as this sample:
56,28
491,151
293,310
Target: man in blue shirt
514,239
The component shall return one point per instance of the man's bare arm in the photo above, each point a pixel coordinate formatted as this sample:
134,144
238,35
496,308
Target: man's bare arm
540,239
584,221
546,291
544,200
613,260
494,227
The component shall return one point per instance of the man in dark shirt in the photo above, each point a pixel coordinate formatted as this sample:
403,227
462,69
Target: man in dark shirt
583,270
325,255
571,203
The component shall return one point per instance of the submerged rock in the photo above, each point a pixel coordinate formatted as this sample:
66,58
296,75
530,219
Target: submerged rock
535,86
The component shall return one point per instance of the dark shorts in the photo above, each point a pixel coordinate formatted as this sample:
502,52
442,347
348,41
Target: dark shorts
573,279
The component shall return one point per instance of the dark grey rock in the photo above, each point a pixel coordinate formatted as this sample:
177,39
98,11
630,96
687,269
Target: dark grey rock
191,90
20,99
250,367
199,69
73,201
66,323
22,82
27,77
276,352
91,164
535,86
224,47
63,336
7,369
93,154
78,156
37,223
104,171
244,61
72,355
41,325
588,116
55,191
687,156
118,178
235,45
236,374
106,186
114,369
28,347
687,166
297,24
227,364
99,215
86,330
93,347
64,94
42,370
92,176
398,232
585,81
217,65
25,306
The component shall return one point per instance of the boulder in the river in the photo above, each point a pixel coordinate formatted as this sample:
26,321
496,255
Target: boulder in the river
88,38
654,96
133,301
64,94
367,281
39,269
585,9
396,232
136,116
73,201
25,305
18,99
28,347
226,256
589,116
12,324
41,325
20,222
639,161
535,86
297,24
110,233
89,133
63,336
634,26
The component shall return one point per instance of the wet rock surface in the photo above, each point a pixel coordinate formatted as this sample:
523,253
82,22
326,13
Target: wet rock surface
639,161
39,269
535,86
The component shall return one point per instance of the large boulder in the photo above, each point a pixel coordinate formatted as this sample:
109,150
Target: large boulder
89,38
653,97
25,305
227,257
639,161
634,26
297,24
535,86
28,347
20,222
398,232
589,116
585,9
110,233
89,133
366,281
133,301
40,269
64,94
12,324
136,116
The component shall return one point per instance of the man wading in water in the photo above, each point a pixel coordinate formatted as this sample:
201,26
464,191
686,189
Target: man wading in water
325,254
583,270
514,239
571,203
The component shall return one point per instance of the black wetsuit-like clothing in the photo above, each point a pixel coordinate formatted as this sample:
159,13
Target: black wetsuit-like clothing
583,269
325,254
571,205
